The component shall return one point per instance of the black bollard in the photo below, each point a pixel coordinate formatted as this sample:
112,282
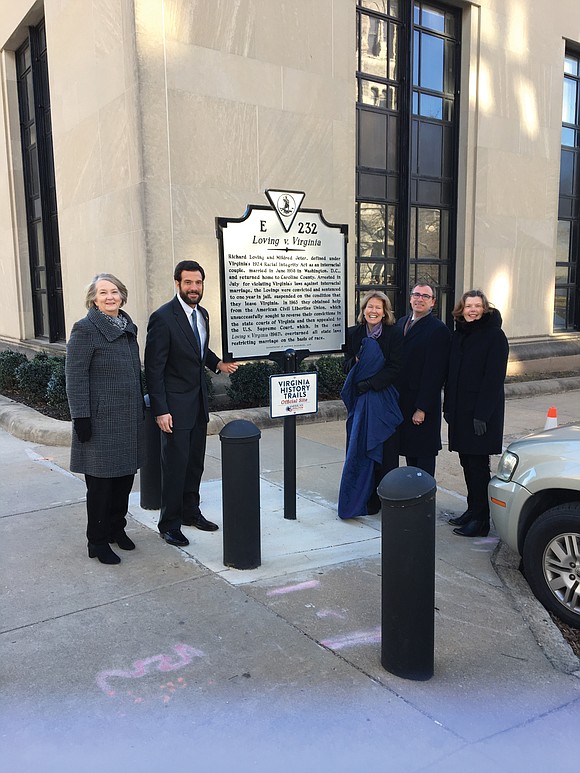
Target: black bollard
240,441
150,475
408,572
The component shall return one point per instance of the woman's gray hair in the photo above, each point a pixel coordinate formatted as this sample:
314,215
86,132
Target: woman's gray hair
92,289
389,317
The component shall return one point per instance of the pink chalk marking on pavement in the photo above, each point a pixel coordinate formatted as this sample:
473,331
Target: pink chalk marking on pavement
185,654
292,588
352,639
330,613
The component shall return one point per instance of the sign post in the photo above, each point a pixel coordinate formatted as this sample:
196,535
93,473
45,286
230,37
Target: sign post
290,395
283,280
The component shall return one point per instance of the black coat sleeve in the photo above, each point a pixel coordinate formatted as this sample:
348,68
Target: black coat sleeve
354,336
157,349
492,383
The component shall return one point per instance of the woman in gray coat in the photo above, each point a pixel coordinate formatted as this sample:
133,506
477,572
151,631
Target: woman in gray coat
103,384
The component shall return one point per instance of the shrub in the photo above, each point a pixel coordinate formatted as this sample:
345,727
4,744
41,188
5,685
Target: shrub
32,376
9,363
249,385
330,377
56,387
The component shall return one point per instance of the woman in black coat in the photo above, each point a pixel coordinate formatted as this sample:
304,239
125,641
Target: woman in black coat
372,360
474,402
103,384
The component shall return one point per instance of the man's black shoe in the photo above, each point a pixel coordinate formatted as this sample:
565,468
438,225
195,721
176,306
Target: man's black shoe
461,520
174,537
200,523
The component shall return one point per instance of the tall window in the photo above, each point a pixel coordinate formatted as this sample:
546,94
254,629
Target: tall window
41,211
566,296
408,64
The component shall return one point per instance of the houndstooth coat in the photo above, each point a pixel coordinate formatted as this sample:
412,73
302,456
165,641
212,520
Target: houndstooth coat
103,381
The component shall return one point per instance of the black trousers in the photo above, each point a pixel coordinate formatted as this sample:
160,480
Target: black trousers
107,505
426,463
477,476
182,461
390,462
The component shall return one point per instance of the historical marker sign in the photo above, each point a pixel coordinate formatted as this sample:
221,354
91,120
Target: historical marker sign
283,272
293,394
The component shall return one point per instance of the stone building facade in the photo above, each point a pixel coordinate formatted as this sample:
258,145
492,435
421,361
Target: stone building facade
445,135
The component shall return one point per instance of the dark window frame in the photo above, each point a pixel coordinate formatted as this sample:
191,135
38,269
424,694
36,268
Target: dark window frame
39,186
567,289
399,185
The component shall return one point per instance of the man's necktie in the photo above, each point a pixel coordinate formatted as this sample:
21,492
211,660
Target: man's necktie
408,325
194,327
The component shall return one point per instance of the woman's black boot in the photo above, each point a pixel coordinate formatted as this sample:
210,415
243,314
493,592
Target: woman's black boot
473,529
461,520
103,553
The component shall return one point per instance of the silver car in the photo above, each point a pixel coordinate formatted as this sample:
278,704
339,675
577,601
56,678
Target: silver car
535,506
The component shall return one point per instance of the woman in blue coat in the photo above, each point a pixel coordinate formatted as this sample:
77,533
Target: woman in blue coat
474,402
103,384
373,358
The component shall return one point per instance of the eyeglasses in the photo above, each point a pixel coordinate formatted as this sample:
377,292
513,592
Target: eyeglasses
421,295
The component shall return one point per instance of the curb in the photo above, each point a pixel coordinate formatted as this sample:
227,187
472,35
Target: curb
330,410
27,424
545,631
546,386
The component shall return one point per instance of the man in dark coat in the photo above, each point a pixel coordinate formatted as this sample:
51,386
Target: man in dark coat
426,346
176,355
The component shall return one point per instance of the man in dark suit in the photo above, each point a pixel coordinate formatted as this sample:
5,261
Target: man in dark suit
426,345
176,355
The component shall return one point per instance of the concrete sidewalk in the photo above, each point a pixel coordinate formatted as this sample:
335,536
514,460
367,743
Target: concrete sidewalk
171,660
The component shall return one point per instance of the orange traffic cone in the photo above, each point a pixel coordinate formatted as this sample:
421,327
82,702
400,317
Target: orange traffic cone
551,418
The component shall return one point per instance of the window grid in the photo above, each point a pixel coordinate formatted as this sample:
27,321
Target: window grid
566,293
39,183
406,149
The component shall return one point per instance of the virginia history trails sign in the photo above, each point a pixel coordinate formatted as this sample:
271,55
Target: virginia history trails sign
283,279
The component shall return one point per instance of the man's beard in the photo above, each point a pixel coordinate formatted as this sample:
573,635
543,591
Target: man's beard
186,299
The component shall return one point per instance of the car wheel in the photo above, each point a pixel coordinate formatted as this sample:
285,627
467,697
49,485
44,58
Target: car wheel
552,561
